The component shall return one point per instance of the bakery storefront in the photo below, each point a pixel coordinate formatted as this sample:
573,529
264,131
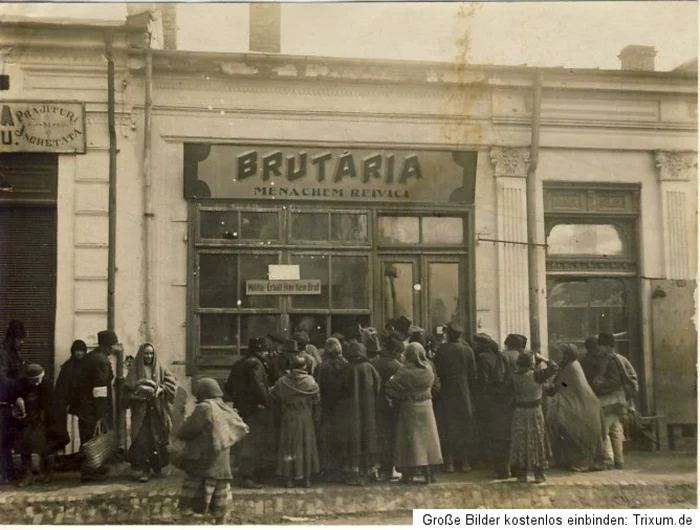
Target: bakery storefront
320,237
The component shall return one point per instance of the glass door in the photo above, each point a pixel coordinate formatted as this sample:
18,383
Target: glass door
444,291
400,288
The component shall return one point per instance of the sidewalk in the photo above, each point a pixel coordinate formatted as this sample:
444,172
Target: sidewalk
649,480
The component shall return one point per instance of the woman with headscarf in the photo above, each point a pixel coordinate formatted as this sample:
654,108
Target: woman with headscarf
417,446
36,428
359,412
574,417
297,396
529,447
209,433
331,381
387,364
67,393
149,391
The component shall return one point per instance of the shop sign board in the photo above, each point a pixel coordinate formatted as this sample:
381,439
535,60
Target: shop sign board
282,287
229,171
42,127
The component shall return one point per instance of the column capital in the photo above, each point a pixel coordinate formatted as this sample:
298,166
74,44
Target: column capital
676,165
510,161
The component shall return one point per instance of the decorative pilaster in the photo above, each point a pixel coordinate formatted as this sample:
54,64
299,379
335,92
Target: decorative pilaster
676,173
510,170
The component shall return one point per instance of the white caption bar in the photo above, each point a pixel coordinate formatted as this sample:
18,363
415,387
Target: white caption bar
569,519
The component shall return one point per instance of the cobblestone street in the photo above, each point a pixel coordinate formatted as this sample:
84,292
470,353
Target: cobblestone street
649,481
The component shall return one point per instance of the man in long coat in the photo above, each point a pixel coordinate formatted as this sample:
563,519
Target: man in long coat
248,387
11,365
96,393
456,368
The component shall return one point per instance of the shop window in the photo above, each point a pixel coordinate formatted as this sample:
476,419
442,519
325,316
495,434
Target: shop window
585,239
218,225
312,267
399,287
310,226
349,227
260,225
218,330
349,282
399,229
218,275
255,267
343,323
314,325
256,326
584,308
444,303
449,230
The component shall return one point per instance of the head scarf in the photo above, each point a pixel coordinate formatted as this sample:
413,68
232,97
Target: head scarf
78,345
332,348
483,342
207,388
415,354
355,351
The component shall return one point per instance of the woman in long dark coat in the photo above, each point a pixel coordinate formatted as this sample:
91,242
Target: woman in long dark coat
359,412
456,368
494,403
297,395
67,391
387,364
150,392
331,381
417,446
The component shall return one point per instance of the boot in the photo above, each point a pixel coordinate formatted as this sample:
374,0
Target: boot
48,464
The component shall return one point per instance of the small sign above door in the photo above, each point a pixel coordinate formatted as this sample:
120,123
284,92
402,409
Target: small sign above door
45,127
282,287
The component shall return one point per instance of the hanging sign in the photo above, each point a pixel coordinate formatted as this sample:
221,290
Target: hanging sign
268,172
282,287
42,127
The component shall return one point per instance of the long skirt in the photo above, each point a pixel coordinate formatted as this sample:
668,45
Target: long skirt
417,441
297,456
206,494
529,448
146,451
257,452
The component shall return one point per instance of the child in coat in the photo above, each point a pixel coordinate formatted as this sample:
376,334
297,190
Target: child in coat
209,433
529,449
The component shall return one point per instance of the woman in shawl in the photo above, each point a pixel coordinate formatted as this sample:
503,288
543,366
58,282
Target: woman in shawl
209,433
573,415
529,448
67,396
359,413
331,380
417,441
297,395
150,392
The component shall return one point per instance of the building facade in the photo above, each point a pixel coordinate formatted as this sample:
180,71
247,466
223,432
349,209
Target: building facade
260,192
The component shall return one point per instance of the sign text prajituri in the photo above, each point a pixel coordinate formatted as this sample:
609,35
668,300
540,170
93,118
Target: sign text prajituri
282,287
42,127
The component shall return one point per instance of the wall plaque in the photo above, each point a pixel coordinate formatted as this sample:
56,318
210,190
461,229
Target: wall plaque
282,287
42,127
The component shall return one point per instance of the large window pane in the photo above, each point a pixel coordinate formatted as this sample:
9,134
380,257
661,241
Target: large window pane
217,280
585,239
607,292
262,226
312,268
568,323
399,230
314,325
443,230
257,326
310,227
255,268
349,227
398,289
349,283
218,225
344,323
444,303
218,330
568,294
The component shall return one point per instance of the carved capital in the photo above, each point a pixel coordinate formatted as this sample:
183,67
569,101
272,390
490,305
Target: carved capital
674,165
510,161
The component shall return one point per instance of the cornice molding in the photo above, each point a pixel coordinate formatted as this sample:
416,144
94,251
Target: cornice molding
510,161
676,165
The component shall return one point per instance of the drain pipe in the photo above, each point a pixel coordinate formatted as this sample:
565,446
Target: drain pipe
532,232
148,214
120,424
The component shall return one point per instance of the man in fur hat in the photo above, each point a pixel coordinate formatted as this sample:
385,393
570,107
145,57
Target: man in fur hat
96,393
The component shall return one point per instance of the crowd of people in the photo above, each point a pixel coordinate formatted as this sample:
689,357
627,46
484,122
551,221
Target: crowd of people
367,406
